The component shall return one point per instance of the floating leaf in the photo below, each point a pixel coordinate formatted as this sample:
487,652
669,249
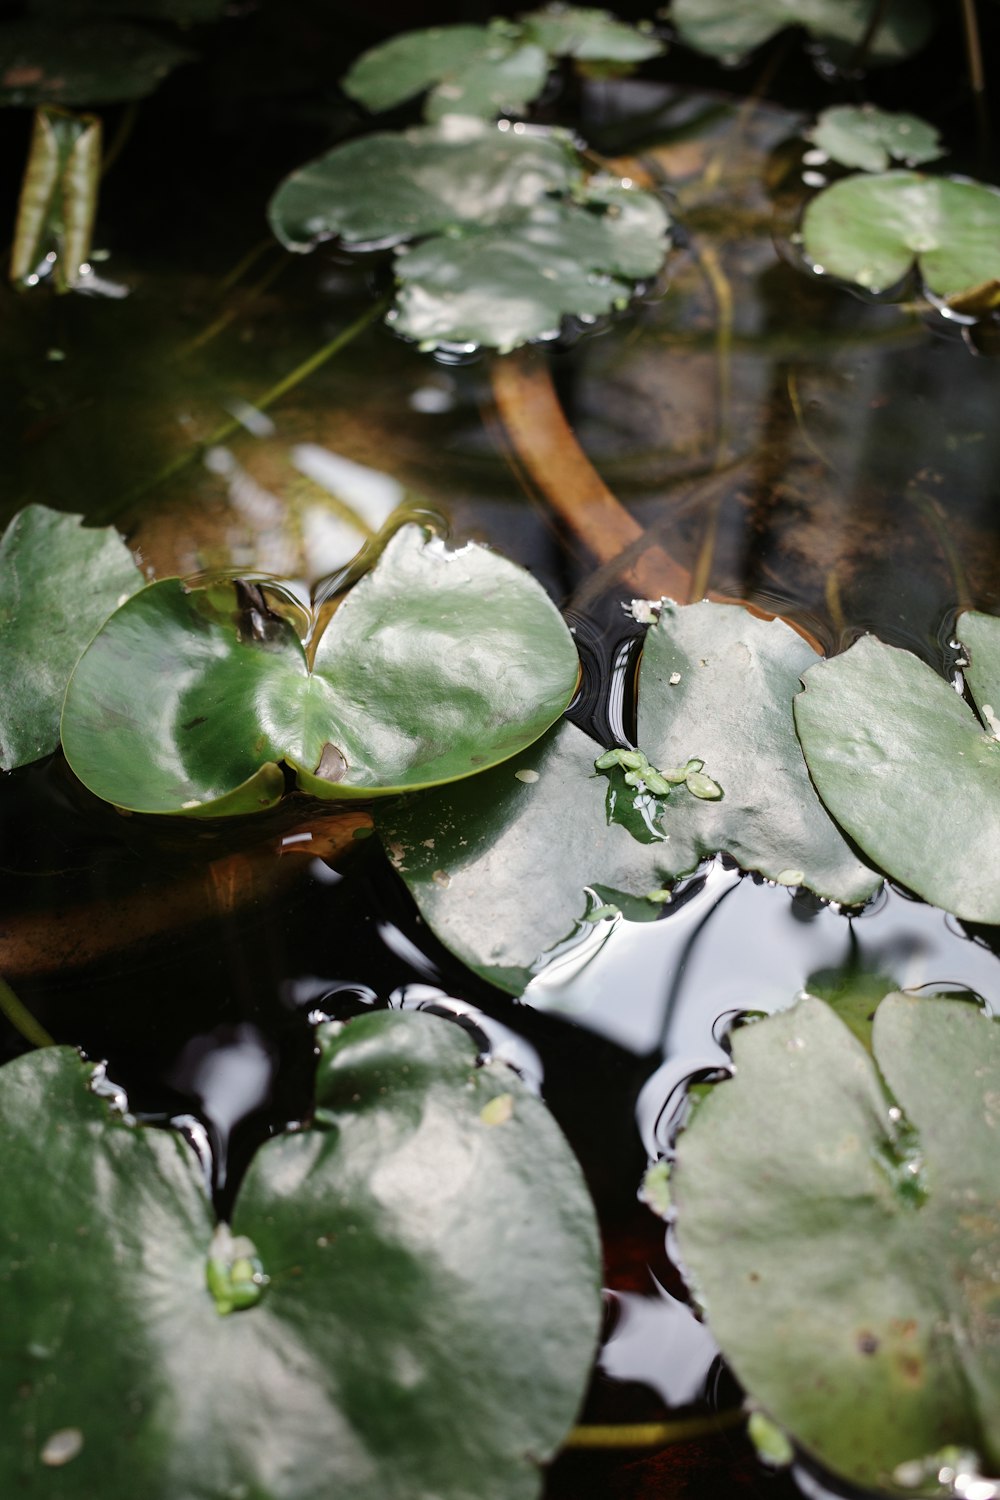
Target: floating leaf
470,70
590,35
907,769
426,1326
59,581
511,238
873,230
869,138
96,63
58,201
858,1303
501,867
731,29
182,12
436,665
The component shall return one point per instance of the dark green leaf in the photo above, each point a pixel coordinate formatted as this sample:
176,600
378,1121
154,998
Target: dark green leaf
183,12
427,1322
97,63
869,138
511,238
858,1303
59,581
731,29
437,665
470,70
872,230
908,771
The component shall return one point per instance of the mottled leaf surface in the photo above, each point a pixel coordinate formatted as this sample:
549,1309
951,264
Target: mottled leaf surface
510,236
437,665
907,769
59,581
874,229
858,1302
429,1319
590,35
859,135
731,29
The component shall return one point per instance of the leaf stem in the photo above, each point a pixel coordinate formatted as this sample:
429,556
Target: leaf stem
653,1434
977,79
860,55
20,1017
287,383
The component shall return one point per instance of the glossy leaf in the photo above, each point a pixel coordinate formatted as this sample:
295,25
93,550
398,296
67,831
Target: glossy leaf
858,1302
58,201
436,666
501,868
430,1307
103,62
869,138
908,770
469,70
590,35
731,29
873,230
510,236
59,581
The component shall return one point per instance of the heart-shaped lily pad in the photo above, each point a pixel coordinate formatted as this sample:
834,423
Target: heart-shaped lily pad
511,236
59,581
97,62
731,29
494,69
414,1278
859,135
437,665
858,1302
872,230
907,769
501,867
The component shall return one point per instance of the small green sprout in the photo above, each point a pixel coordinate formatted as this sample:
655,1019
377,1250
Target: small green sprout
234,1273
702,786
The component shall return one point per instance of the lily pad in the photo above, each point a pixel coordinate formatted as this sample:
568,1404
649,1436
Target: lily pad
731,29
512,237
437,665
869,138
590,35
469,70
59,581
873,230
908,770
425,1326
100,62
858,1303
501,867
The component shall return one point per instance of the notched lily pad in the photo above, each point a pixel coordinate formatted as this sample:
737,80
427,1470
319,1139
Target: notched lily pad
59,581
511,235
730,29
874,230
858,1304
871,139
437,665
420,1331
906,767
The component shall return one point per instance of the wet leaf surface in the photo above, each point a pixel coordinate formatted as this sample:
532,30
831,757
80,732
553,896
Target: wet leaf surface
730,29
590,35
858,1302
419,1328
907,769
436,666
501,868
869,138
99,62
511,237
59,581
874,230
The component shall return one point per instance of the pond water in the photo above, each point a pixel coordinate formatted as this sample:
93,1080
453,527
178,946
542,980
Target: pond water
823,457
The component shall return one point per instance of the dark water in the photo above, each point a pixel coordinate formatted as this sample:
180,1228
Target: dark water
828,458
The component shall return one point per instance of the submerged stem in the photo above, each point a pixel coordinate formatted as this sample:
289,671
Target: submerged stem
876,17
653,1434
21,1019
977,77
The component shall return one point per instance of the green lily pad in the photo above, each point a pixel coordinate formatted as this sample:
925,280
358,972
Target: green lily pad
414,1282
501,867
858,1303
873,230
731,29
869,138
469,70
59,581
437,665
907,769
512,238
590,35
100,62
